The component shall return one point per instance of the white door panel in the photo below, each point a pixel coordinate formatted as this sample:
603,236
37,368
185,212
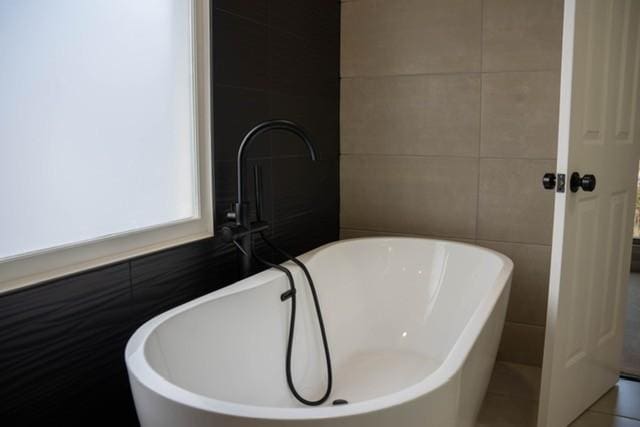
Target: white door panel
592,230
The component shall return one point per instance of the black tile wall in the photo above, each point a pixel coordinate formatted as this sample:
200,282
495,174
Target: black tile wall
62,342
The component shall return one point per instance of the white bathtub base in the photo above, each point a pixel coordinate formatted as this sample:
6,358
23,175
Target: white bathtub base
210,363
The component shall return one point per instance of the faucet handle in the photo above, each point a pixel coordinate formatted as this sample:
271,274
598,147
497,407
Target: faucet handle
231,215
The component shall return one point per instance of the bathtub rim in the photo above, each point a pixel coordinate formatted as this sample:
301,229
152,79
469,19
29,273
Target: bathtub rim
138,367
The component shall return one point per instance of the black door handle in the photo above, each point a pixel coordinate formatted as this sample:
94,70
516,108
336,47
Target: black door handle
586,182
549,181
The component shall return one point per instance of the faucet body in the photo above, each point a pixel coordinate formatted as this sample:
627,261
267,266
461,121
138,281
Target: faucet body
241,232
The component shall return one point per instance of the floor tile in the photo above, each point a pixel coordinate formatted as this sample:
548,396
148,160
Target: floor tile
516,380
631,352
503,411
622,400
511,398
597,419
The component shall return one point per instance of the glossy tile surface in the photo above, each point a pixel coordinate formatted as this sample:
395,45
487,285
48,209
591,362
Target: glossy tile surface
597,419
622,400
619,407
512,396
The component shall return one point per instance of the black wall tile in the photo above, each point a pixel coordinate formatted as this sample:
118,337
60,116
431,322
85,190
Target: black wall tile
301,185
252,9
301,233
315,20
300,67
62,339
318,115
240,56
62,343
236,111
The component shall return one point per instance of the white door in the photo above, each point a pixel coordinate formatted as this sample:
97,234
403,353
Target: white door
592,235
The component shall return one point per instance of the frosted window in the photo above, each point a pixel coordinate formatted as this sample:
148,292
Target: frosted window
96,120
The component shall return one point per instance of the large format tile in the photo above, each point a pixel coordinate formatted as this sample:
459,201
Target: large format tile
423,115
309,230
597,419
502,411
301,185
302,67
631,350
387,37
622,400
317,20
348,233
516,380
235,112
522,34
522,344
172,277
530,283
431,196
240,56
252,9
62,340
520,114
318,115
513,206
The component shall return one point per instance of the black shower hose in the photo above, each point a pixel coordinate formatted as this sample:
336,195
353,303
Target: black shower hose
291,293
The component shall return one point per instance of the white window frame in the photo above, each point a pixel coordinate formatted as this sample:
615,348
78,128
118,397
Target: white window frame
56,262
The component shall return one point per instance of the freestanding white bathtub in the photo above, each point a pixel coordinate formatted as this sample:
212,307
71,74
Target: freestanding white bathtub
413,328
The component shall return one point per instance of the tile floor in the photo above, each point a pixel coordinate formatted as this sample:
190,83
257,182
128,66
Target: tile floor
631,352
512,396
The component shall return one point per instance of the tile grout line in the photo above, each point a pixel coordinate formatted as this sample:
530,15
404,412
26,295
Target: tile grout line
444,74
442,236
262,24
479,152
611,413
444,156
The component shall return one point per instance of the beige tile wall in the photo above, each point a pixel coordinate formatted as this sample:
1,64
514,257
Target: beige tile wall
448,121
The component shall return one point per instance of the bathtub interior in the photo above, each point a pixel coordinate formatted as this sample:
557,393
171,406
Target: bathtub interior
393,308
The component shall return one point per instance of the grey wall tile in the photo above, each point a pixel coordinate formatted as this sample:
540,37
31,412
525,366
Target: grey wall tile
500,410
522,34
420,115
530,283
349,233
516,380
522,343
513,206
520,114
386,37
431,196
409,102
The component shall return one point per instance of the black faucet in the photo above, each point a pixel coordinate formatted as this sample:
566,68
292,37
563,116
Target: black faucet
241,230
